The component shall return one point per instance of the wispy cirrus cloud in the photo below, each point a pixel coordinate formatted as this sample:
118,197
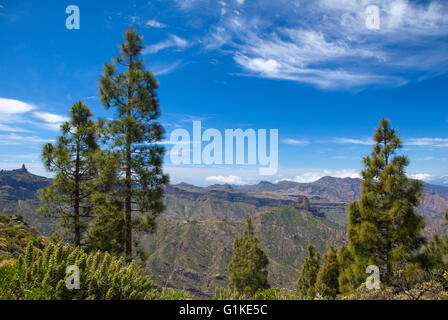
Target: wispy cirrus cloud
431,142
296,142
50,117
8,128
155,24
51,121
364,141
423,142
326,43
172,42
161,69
15,139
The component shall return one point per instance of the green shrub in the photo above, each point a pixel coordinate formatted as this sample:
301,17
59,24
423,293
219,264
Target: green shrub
41,275
4,218
276,294
228,294
268,294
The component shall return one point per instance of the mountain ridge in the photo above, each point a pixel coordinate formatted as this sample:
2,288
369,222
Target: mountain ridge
20,184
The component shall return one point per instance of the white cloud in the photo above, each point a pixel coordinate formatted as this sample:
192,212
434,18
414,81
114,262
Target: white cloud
12,106
206,175
307,56
197,174
14,139
162,69
428,158
366,141
396,16
8,128
155,24
187,4
173,42
51,121
432,142
50,117
225,179
296,142
423,176
169,142
316,174
327,44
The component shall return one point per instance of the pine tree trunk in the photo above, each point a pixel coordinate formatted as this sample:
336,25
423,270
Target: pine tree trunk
128,208
77,229
128,217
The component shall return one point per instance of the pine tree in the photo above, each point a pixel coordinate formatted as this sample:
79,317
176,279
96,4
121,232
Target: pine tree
106,233
71,158
131,90
435,252
247,269
348,270
327,284
308,274
383,227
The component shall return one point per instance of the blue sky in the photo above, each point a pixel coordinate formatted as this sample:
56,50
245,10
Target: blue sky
311,69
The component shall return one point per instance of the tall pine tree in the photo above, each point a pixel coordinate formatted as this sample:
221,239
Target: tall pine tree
327,284
308,274
71,158
106,233
384,228
132,137
247,269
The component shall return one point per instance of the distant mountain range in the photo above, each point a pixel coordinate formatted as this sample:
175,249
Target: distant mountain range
330,190
440,181
193,244
20,184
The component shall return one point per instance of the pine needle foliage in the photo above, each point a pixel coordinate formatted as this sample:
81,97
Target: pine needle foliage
132,137
384,228
247,269
71,158
308,274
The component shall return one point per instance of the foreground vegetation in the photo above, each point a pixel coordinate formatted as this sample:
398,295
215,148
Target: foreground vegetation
42,275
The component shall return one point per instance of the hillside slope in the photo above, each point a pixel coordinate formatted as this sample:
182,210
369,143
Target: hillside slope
194,255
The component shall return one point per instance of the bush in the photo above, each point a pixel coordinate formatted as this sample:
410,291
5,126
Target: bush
228,294
14,237
268,294
276,294
434,289
42,275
